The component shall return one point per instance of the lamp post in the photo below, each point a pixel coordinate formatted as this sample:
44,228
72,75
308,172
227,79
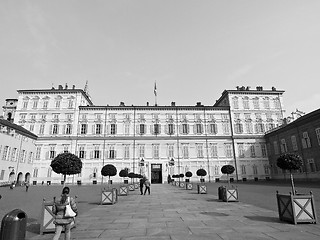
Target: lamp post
141,164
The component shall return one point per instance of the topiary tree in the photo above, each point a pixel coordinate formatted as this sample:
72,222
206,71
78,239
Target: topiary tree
108,170
228,169
66,164
201,173
290,161
123,173
188,175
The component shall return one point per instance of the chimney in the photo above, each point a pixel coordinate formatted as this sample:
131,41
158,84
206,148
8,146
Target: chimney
147,103
122,104
73,86
173,104
273,89
238,87
66,87
60,87
198,104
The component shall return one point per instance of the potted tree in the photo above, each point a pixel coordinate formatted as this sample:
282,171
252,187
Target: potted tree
294,207
109,196
202,188
66,164
188,183
228,194
123,189
181,183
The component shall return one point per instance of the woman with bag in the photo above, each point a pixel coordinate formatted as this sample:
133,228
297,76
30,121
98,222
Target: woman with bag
65,210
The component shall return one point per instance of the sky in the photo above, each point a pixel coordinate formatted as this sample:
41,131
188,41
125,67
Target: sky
192,49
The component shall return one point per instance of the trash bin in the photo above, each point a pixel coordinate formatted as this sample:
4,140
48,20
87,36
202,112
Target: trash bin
221,192
13,225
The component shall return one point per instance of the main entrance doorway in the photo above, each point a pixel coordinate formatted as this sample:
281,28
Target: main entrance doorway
156,173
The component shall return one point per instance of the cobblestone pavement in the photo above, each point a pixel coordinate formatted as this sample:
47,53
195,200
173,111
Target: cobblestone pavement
174,213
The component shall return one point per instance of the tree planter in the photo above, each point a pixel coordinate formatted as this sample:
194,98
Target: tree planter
298,208
123,190
136,185
131,187
230,194
189,186
109,196
182,185
202,188
177,183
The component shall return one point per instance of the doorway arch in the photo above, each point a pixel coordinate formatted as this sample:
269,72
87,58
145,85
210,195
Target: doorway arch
20,178
12,177
27,177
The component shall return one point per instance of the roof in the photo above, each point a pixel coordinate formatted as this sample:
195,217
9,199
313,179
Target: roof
18,128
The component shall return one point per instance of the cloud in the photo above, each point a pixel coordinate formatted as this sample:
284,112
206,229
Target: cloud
240,72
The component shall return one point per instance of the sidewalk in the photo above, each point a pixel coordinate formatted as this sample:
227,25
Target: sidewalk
172,213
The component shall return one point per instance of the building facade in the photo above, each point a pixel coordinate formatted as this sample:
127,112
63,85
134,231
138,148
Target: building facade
229,132
17,149
302,137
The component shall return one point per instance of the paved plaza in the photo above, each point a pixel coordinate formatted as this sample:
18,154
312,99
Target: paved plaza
178,214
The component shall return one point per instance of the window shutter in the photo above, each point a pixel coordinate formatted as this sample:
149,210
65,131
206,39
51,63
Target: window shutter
194,128
47,155
180,128
93,129
70,129
115,154
115,129
166,129
188,128
159,128
91,154
304,145
152,129
51,129
64,129
137,129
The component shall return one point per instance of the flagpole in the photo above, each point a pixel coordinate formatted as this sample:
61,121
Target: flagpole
155,93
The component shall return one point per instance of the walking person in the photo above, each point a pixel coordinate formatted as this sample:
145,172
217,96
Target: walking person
147,184
142,180
27,186
61,221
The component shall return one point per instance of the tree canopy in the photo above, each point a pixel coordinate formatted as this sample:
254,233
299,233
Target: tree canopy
108,170
188,174
227,169
289,161
66,164
123,173
201,172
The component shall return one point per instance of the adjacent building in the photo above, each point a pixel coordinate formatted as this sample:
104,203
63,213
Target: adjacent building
301,136
17,149
145,138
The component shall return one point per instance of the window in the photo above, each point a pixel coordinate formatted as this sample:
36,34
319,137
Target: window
256,103
266,169
97,153
5,152
225,128
2,174
238,127
31,128
243,169
199,128
70,104
55,129
127,116
52,152
246,103
155,149
228,150
185,128
199,150
30,157
276,103
283,146
249,126
241,150
213,150
255,170
65,148
35,172
13,154
311,165
112,152
266,103
141,151
69,116
35,103
235,103
38,152
83,117
142,129
156,128
58,103
212,128
170,151
81,152
263,150
83,129
112,116
141,116
49,173
306,143
25,104
33,117
294,143
41,129
98,116
259,127
185,151
45,104
43,117
170,128
252,151
98,129
56,117
126,151
68,129
318,135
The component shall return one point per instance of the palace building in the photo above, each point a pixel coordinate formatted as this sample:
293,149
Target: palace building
145,138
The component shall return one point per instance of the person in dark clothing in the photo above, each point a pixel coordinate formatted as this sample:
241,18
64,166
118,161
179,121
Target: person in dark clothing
142,180
147,184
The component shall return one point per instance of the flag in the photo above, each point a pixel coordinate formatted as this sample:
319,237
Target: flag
155,89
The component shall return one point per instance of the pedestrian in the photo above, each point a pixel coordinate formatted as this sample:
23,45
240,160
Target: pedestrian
147,184
61,221
27,186
169,179
142,180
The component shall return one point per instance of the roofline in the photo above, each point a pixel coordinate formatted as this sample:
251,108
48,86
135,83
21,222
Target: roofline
19,129
201,107
57,91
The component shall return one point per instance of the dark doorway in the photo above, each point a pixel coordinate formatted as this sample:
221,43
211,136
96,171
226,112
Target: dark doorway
156,173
